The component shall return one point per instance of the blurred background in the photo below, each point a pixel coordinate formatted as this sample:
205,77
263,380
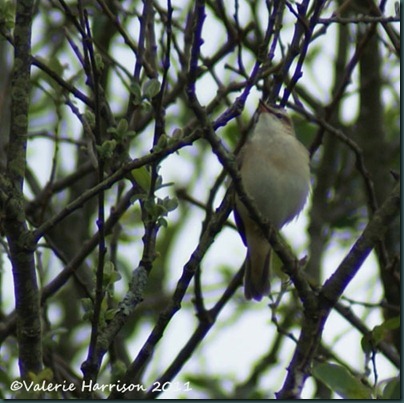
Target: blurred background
125,98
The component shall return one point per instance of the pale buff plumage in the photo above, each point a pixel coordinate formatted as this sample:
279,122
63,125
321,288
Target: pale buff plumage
275,173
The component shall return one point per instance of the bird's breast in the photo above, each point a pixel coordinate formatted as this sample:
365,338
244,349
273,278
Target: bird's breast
275,173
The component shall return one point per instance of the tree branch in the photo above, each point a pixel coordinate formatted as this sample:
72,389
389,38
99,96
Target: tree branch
314,322
20,240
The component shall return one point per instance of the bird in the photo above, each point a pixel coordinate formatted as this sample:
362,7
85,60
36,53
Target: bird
275,173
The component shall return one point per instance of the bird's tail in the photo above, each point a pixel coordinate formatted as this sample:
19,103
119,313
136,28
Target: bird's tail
256,279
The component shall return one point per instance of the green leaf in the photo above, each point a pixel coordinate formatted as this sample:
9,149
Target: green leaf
151,88
7,14
178,134
121,132
392,390
367,343
162,222
391,324
379,333
110,274
157,210
106,149
142,177
170,203
136,92
341,381
110,313
122,127
161,144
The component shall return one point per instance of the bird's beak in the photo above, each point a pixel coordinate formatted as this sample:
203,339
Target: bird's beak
264,108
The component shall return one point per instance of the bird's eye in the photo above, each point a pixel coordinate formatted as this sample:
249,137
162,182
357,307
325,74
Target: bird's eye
280,116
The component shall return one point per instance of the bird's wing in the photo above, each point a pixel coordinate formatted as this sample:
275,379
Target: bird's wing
237,217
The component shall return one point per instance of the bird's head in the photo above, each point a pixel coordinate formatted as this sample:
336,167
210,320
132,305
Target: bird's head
274,120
